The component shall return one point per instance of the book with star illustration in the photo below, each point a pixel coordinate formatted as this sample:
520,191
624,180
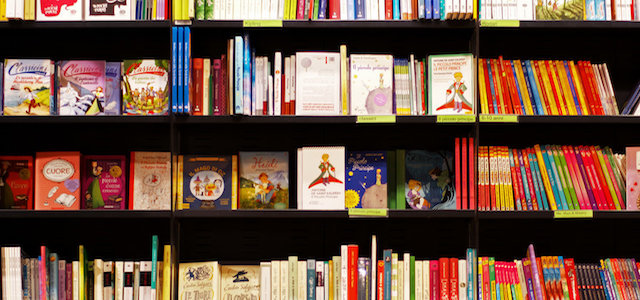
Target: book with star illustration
451,84
371,84
366,179
264,180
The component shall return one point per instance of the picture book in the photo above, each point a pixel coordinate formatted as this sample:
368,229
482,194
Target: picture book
27,87
145,85
451,84
240,282
633,178
562,10
113,96
16,182
57,180
54,10
103,182
321,179
150,181
209,182
366,180
107,10
81,87
317,83
264,180
371,84
199,280
429,179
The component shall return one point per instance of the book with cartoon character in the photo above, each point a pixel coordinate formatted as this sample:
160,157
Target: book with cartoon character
321,178
103,182
56,10
240,282
371,84
208,182
429,180
113,96
264,180
16,182
199,280
366,179
145,85
27,87
451,84
150,180
81,87
57,181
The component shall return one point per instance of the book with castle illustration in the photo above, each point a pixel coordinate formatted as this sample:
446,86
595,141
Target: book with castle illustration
264,180
429,180
451,84
321,178
366,185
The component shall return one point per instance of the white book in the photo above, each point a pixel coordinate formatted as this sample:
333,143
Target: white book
145,285
469,8
410,11
301,292
236,6
505,10
192,8
496,9
374,264
270,95
275,280
381,16
607,10
264,11
317,85
325,280
98,279
284,280
407,276
400,280
280,15
513,9
273,9
335,278
292,82
412,84
19,10
426,291
287,84
277,84
128,286
343,10
10,13
292,283
206,75
256,9
455,12
523,285
265,280
451,87
484,14
394,276
610,88
371,84
320,280
5,271
448,9
463,9
344,271
299,180
373,11
323,177
418,279
107,291
367,10
462,279
75,269
229,10
258,107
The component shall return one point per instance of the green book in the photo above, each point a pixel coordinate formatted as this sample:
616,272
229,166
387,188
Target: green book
492,277
88,279
565,169
619,178
287,10
154,263
400,175
565,179
607,178
316,9
391,180
412,277
208,9
200,7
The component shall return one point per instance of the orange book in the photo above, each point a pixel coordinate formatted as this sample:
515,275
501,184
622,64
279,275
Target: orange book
588,89
566,89
577,83
502,96
555,87
57,181
493,174
511,79
541,90
496,91
553,103
524,91
596,91
506,89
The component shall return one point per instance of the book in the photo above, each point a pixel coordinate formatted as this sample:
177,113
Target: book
57,180
264,180
366,179
238,281
16,182
113,95
208,182
317,83
451,84
150,181
52,10
104,10
321,178
371,83
81,87
199,279
103,182
565,10
27,87
633,178
429,180
145,87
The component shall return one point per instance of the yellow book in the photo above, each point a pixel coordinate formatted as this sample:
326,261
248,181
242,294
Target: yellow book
545,178
81,271
167,268
287,9
544,74
526,98
177,9
480,275
32,10
577,83
180,179
190,12
329,281
344,80
174,181
566,89
484,106
511,183
3,10
562,104
498,88
543,99
154,10
475,9
503,192
234,182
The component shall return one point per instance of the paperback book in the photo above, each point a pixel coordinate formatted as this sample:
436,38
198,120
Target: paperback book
240,282
54,10
103,182
199,280
107,10
28,87
145,87
264,180
57,180
113,96
81,87
429,180
317,83
366,180
16,182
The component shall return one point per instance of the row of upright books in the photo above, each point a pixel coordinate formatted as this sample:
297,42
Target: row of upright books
88,10
589,10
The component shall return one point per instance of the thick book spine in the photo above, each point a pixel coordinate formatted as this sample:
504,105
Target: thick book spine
174,69
187,70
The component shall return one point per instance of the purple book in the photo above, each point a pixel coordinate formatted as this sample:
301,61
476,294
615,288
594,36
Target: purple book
534,272
526,268
113,96
69,281
585,179
103,182
62,269
81,87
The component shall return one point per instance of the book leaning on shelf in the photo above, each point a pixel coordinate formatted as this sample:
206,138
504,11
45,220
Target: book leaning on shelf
84,10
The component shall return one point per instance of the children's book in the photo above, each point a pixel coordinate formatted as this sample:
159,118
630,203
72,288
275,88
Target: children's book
113,96
564,10
27,87
107,10
209,182
429,179
371,84
366,179
57,180
55,10
451,84
633,178
321,179
240,282
81,87
199,280
264,180
145,87
150,181
16,182
317,83
103,182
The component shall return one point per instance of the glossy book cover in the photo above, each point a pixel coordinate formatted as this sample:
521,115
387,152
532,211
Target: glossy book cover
57,180
27,87
264,180
81,87
145,87
208,182
103,182
366,175
429,180
113,96
451,84
16,182
322,178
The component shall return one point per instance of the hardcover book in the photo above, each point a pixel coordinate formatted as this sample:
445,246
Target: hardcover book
57,180
199,280
16,182
264,180
633,178
54,10
371,84
113,96
366,180
429,180
107,10
451,84
209,182
317,83
103,182
150,181
27,87
145,87
240,282
81,87
321,180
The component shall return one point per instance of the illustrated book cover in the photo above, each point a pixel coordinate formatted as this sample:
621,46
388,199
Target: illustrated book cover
81,87
366,179
240,282
145,87
16,182
199,280
27,87
633,178
451,84
107,10
566,10
429,179
317,83
321,179
113,96
208,182
150,181
55,10
371,84
57,180
103,182
264,180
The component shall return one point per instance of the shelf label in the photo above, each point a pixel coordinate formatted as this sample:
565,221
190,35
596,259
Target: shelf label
376,119
262,23
455,118
499,118
368,212
500,23
573,214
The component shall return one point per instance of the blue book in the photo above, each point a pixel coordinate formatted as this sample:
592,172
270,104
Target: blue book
443,14
492,87
351,9
322,11
386,256
360,10
366,180
311,279
174,69
238,74
253,81
180,69
472,268
428,9
246,77
532,98
53,276
429,178
628,107
534,87
517,83
523,173
606,283
138,9
187,68
421,12
541,195
552,179
558,183
208,182
435,4
572,87
396,10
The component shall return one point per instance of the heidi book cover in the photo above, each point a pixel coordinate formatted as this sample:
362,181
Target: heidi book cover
81,87
366,185
103,182
27,87
321,179
429,180
264,180
145,87
16,182
208,182
451,84
57,180
150,181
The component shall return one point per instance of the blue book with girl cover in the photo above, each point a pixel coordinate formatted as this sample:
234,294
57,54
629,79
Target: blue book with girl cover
208,182
429,180
366,179
263,180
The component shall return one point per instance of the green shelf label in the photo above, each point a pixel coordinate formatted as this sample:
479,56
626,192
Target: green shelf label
368,212
573,214
455,118
499,118
376,119
262,23
500,23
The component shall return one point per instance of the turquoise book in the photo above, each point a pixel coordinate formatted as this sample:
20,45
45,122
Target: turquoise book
429,178
366,179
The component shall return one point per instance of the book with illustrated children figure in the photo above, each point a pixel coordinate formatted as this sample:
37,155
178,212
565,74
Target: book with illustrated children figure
81,87
263,180
207,182
366,179
27,87
321,179
429,179
451,84
371,84
145,84
103,182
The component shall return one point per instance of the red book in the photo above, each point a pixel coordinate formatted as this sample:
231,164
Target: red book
334,9
513,88
445,284
588,89
481,181
464,174
423,99
197,86
522,180
472,175
538,73
596,91
557,93
311,10
18,178
388,9
352,272
601,177
487,85
518,194
380,277
493,177
506,87
215,86
224,81
541,277
300,13
495,77
593,178
453,274
486,281
457,171
434,276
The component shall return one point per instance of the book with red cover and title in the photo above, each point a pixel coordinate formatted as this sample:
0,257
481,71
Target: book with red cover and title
57,180
16,182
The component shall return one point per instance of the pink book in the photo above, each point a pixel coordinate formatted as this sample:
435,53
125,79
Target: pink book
465,187
472,174
457,173
103,182
633,178
535,273
81,87
435,279
614,182
595,186
581,194
300,14
575,154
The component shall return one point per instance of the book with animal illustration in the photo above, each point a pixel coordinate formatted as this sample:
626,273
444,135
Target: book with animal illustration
103,182
366,179
27,87
16,182
208,182
371,84
451,84
429,179
81,87
264,180
57,180
321,178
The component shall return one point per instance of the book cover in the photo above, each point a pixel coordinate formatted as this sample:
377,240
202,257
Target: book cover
150,181
451,84
322,178
633,178
113,96
103,182
81,87
429,180
264,180
317,84
145,87
16,182
27,87
57,180
107,10
560,10
208,182
240,282
366,180
54,10
371,84
199,280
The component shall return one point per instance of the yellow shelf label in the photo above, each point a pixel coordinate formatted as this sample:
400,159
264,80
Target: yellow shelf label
262,23
368,212
455,118
573,214
499,118
376,119
500,23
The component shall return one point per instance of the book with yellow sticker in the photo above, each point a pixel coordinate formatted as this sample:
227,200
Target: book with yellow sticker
366,180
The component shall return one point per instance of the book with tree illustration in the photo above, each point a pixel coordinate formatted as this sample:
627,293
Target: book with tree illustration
264,180
145,87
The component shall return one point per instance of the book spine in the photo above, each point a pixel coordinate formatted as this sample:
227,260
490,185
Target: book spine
454,279
311,279
334,9
585,177
238,75
352,279
465,187
388,263
472,174
458,171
